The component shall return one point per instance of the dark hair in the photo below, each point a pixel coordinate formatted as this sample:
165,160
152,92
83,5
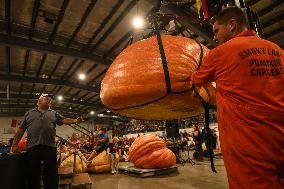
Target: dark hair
103,129
228,13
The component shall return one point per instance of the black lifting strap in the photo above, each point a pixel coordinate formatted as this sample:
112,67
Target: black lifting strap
164,60
161,48
206,115
209,135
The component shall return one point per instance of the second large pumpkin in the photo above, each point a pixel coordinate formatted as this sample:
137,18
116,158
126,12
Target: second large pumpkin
150,152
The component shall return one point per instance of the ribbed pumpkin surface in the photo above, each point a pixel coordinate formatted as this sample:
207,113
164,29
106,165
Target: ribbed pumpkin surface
80,166
150,152
135,85
101,163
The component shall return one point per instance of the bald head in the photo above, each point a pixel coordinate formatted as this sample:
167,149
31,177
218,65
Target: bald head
44,102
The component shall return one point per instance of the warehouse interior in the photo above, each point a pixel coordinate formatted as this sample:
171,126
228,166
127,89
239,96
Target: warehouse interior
65,48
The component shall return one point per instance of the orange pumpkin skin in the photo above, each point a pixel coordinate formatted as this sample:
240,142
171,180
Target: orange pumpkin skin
150,152
134,85
22,145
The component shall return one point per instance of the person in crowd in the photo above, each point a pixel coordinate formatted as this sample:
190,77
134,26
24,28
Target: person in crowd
102,144
197,138
113,149
249,75
40,124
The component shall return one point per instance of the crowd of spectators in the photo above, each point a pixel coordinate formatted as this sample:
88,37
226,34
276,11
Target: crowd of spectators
140,126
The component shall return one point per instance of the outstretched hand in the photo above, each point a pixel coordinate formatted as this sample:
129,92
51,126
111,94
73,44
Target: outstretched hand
79,120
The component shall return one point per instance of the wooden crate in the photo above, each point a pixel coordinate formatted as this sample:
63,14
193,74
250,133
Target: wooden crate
81,180
65,172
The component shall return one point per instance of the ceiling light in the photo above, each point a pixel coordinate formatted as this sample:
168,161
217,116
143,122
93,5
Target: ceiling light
60,98
137,22
108,111
92,112
82,76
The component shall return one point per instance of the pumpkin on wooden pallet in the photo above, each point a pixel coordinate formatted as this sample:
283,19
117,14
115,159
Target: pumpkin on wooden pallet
135,83
80,165
101,163
150,152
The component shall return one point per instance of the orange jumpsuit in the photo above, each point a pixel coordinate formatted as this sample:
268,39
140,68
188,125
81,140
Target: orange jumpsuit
249,75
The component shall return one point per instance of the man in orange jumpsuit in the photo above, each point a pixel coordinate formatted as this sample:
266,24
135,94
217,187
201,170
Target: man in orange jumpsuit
249,74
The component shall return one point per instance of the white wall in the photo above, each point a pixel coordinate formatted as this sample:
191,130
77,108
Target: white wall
63,131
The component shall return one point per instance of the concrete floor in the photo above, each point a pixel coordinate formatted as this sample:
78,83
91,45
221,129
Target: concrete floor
198,176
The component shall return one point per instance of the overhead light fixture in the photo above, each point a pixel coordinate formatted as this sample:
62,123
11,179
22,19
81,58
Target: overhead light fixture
82,76
108,111
92,112
60,98
137,22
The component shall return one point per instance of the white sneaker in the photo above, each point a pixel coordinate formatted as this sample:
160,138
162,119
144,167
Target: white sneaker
113,172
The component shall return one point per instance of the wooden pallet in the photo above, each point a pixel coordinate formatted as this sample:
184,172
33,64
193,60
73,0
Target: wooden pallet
137,172
65,183
65,172
81,180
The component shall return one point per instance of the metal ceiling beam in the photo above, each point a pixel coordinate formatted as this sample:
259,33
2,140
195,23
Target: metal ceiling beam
8,16
41,64
69,69
35,97
114,24
118,43
82,21
28,107
95,78
8,60
252,2
269,8
27,56
56,66
75,70
20,29
54,88
43,89
34,17
47,81
91,69
274,32
58,21
8,32
104,22
272,20
194,27
49,48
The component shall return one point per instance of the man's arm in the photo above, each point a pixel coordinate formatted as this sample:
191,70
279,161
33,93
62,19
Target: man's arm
62,120
207,71
19,134
68,121
72,121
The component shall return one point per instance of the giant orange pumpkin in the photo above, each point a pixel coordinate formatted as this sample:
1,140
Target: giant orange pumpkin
150,152
135,85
